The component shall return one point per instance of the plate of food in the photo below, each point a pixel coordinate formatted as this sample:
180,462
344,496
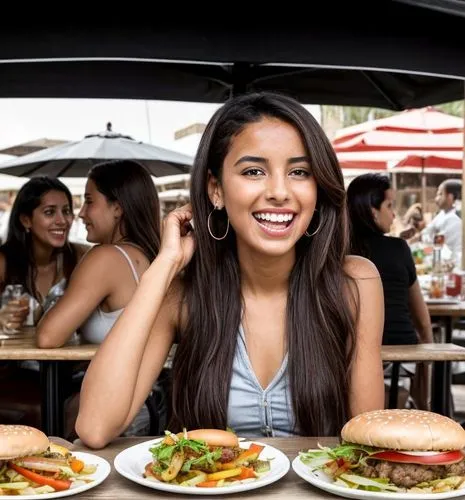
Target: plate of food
202,462
32,467
390,455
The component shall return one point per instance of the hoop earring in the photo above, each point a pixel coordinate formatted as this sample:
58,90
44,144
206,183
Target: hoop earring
209,228
309,235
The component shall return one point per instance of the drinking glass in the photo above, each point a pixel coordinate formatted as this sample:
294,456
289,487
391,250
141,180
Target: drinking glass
14,310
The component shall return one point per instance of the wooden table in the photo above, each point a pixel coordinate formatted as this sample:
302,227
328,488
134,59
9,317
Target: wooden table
22,347
441,355
289,486
446,314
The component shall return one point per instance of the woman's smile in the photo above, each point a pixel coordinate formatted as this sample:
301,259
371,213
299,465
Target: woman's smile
275,223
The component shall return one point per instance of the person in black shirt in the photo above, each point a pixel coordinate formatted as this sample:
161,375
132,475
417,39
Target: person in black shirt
371,211
370,201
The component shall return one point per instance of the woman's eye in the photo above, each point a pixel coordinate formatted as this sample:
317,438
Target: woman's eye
253,172
49,213
301,172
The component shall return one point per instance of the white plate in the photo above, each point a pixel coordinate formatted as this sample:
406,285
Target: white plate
324,482
131,463
103,469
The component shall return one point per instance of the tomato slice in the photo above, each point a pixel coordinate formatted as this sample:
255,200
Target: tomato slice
440,458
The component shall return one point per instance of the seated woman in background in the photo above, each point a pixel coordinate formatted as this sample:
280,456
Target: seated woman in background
37,253
277,327
122,215
371,213
38,256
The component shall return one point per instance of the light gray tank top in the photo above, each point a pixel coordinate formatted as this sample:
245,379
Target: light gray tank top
99,323
252,410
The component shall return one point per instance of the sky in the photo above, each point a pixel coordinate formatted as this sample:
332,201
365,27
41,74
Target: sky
23,120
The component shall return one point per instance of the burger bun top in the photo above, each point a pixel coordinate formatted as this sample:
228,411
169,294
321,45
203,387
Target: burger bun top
215,437
21,440
409,430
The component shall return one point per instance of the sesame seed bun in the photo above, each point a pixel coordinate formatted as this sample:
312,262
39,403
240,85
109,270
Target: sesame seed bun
409,430
21,440
215,437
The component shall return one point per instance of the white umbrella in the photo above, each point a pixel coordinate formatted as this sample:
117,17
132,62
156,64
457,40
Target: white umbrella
74,159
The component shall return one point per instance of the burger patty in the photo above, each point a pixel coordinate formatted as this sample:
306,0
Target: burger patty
409,475
227,455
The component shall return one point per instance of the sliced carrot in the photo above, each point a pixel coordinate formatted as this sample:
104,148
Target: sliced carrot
258,448
207,484
246,473
57,484
76,465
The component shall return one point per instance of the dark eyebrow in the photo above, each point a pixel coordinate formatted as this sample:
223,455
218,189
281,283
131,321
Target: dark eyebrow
56,206
258,159
299,159
250,159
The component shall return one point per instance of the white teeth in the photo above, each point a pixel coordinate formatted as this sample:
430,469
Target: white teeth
273,217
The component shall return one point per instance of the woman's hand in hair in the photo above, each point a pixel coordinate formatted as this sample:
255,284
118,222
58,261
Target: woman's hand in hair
177,239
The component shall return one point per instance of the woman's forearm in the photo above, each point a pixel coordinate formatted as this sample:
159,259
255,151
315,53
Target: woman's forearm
109,386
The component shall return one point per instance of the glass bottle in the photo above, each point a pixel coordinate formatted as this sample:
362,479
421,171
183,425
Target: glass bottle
437,286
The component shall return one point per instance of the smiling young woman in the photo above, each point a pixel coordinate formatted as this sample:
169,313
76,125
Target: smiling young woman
276,325
37,253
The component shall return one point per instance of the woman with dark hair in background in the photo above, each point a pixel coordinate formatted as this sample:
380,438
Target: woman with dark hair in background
37,253
276,326
38,256
371,213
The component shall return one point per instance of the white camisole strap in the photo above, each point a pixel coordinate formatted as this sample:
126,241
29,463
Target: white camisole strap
131,265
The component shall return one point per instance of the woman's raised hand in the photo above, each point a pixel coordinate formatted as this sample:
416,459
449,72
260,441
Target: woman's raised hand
177,240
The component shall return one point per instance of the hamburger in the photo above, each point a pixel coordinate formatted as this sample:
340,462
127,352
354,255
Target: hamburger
205,458
30,463
396,450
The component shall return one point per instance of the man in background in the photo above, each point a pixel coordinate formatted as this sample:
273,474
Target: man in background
447,221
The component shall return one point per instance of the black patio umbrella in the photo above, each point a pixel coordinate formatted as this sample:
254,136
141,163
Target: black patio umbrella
387,54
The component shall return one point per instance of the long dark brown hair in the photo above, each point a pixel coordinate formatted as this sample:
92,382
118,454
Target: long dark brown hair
129,183
21,267
320,318
365,192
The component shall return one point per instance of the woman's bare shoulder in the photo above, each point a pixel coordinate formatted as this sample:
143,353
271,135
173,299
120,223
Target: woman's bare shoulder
101,259
359,268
